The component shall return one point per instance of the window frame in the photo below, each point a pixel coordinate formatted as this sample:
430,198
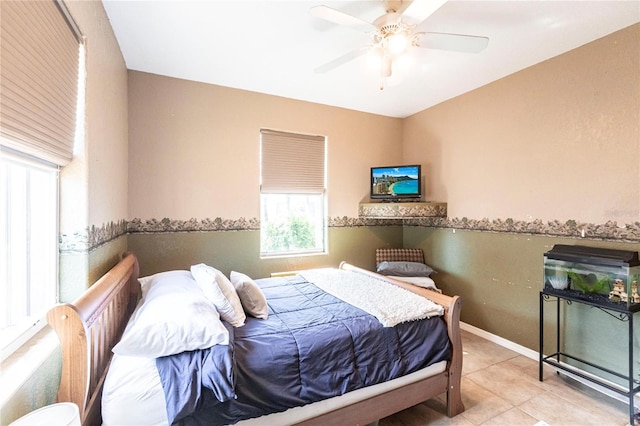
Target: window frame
16,335
283,155
43,78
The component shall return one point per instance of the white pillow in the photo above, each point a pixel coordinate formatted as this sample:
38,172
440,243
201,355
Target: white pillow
217,287
173,316
425,282
251,297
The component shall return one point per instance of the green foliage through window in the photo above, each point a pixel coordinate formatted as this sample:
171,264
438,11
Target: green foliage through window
294,232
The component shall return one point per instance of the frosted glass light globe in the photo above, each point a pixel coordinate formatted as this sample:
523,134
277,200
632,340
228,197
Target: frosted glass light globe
397,43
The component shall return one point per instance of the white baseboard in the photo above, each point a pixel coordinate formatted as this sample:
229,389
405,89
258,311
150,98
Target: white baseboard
524,351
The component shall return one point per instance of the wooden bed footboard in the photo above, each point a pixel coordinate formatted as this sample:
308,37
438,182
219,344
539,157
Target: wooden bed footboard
448,382
88,329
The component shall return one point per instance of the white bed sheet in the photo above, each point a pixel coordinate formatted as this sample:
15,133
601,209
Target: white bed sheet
133,395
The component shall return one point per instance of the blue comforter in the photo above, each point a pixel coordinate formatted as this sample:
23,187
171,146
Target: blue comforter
313,346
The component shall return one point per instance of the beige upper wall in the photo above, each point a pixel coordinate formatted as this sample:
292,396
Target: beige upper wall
557,141
194,148
100,171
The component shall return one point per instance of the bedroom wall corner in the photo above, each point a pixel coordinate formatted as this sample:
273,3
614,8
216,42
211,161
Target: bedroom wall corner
93,188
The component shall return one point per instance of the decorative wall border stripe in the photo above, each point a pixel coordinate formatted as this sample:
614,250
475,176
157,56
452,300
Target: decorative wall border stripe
106,233
353,222
555,228
242,224
193,225
94,236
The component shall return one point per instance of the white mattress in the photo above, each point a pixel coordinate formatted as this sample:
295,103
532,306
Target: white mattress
133,395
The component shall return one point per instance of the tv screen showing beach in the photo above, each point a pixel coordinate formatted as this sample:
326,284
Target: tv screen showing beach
395,181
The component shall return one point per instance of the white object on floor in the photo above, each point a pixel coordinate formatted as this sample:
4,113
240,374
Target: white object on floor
60,414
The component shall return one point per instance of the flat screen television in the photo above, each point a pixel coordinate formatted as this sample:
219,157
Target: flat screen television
395,183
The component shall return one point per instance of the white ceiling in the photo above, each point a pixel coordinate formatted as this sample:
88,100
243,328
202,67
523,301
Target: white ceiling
273,47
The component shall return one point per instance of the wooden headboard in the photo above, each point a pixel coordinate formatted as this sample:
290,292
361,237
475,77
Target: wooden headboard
88,329
399,255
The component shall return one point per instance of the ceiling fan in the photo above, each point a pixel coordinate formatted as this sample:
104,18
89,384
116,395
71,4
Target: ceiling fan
394,33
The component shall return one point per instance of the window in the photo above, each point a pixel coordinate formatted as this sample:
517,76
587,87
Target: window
40,79
292,194
28,261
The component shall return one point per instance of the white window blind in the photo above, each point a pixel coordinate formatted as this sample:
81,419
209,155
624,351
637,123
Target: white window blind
292,163
39,45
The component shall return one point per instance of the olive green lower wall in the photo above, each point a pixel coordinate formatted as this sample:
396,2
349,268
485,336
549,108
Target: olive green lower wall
499,276
105,257
80,269
239,250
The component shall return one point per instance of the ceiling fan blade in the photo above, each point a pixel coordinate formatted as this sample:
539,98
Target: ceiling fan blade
340,60
337,17
419,10
455,42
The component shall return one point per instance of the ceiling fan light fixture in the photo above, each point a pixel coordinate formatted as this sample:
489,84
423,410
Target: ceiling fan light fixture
397,43
392,41
394,37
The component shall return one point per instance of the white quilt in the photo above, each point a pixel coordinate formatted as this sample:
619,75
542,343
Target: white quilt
391,305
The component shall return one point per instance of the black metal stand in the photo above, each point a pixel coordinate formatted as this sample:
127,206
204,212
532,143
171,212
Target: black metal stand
620,312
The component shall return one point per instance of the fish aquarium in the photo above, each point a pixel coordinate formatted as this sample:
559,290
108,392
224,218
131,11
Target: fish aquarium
603,276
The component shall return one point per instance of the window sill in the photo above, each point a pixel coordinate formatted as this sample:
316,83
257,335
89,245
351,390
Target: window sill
23,363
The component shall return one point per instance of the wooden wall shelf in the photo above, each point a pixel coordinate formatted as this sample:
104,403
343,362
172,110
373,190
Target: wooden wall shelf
402,210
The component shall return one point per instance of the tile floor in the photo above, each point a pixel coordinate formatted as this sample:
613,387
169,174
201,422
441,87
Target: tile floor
501,387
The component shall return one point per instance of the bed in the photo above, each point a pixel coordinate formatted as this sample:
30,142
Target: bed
90,328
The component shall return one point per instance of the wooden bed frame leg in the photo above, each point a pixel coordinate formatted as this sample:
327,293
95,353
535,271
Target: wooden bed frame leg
454,398
454,392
